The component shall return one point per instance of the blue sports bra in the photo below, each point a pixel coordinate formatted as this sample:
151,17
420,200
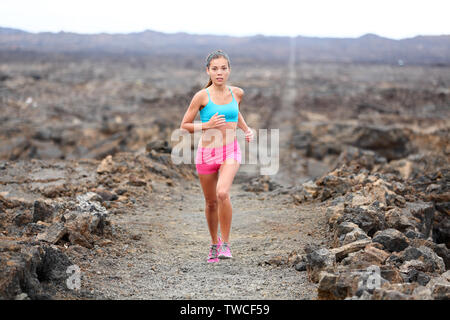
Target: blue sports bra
230,110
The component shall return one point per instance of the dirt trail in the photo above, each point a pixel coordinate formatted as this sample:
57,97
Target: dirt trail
283,119
168,259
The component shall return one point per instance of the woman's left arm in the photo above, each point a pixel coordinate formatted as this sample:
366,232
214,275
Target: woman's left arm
241,122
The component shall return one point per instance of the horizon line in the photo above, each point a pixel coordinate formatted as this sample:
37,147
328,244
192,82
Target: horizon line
220,35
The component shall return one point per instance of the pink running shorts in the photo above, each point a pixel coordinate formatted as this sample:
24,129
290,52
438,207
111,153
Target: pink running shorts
209,160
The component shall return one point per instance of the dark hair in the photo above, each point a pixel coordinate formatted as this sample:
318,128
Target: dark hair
214,55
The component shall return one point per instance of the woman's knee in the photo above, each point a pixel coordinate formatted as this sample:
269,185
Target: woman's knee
211,203
222,194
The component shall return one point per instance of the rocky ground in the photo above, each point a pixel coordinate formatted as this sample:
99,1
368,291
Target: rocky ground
137,234
358,210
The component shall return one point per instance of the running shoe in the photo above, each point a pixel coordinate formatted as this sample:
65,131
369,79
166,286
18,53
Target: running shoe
213,252
225,251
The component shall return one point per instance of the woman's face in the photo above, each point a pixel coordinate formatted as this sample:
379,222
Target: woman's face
218,70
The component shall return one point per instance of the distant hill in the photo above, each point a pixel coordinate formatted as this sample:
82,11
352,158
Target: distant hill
369,48
11,31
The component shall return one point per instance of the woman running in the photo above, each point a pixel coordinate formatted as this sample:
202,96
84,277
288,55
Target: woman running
218,154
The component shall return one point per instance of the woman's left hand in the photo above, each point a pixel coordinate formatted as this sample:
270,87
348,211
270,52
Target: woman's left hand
249,135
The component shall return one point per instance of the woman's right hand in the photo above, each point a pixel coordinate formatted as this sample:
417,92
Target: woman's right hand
215,121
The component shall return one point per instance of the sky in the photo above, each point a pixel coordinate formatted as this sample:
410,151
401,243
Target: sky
395,19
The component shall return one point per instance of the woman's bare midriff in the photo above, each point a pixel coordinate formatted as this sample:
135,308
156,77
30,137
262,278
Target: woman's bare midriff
217,137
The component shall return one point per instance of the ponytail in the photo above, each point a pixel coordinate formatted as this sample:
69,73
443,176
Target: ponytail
208,84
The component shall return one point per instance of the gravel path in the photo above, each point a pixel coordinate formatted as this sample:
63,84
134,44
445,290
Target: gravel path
164,246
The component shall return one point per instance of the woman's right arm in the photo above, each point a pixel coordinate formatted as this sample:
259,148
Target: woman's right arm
188,119
189,116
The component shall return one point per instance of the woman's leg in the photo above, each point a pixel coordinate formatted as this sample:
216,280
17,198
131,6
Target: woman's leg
209,183
227,171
